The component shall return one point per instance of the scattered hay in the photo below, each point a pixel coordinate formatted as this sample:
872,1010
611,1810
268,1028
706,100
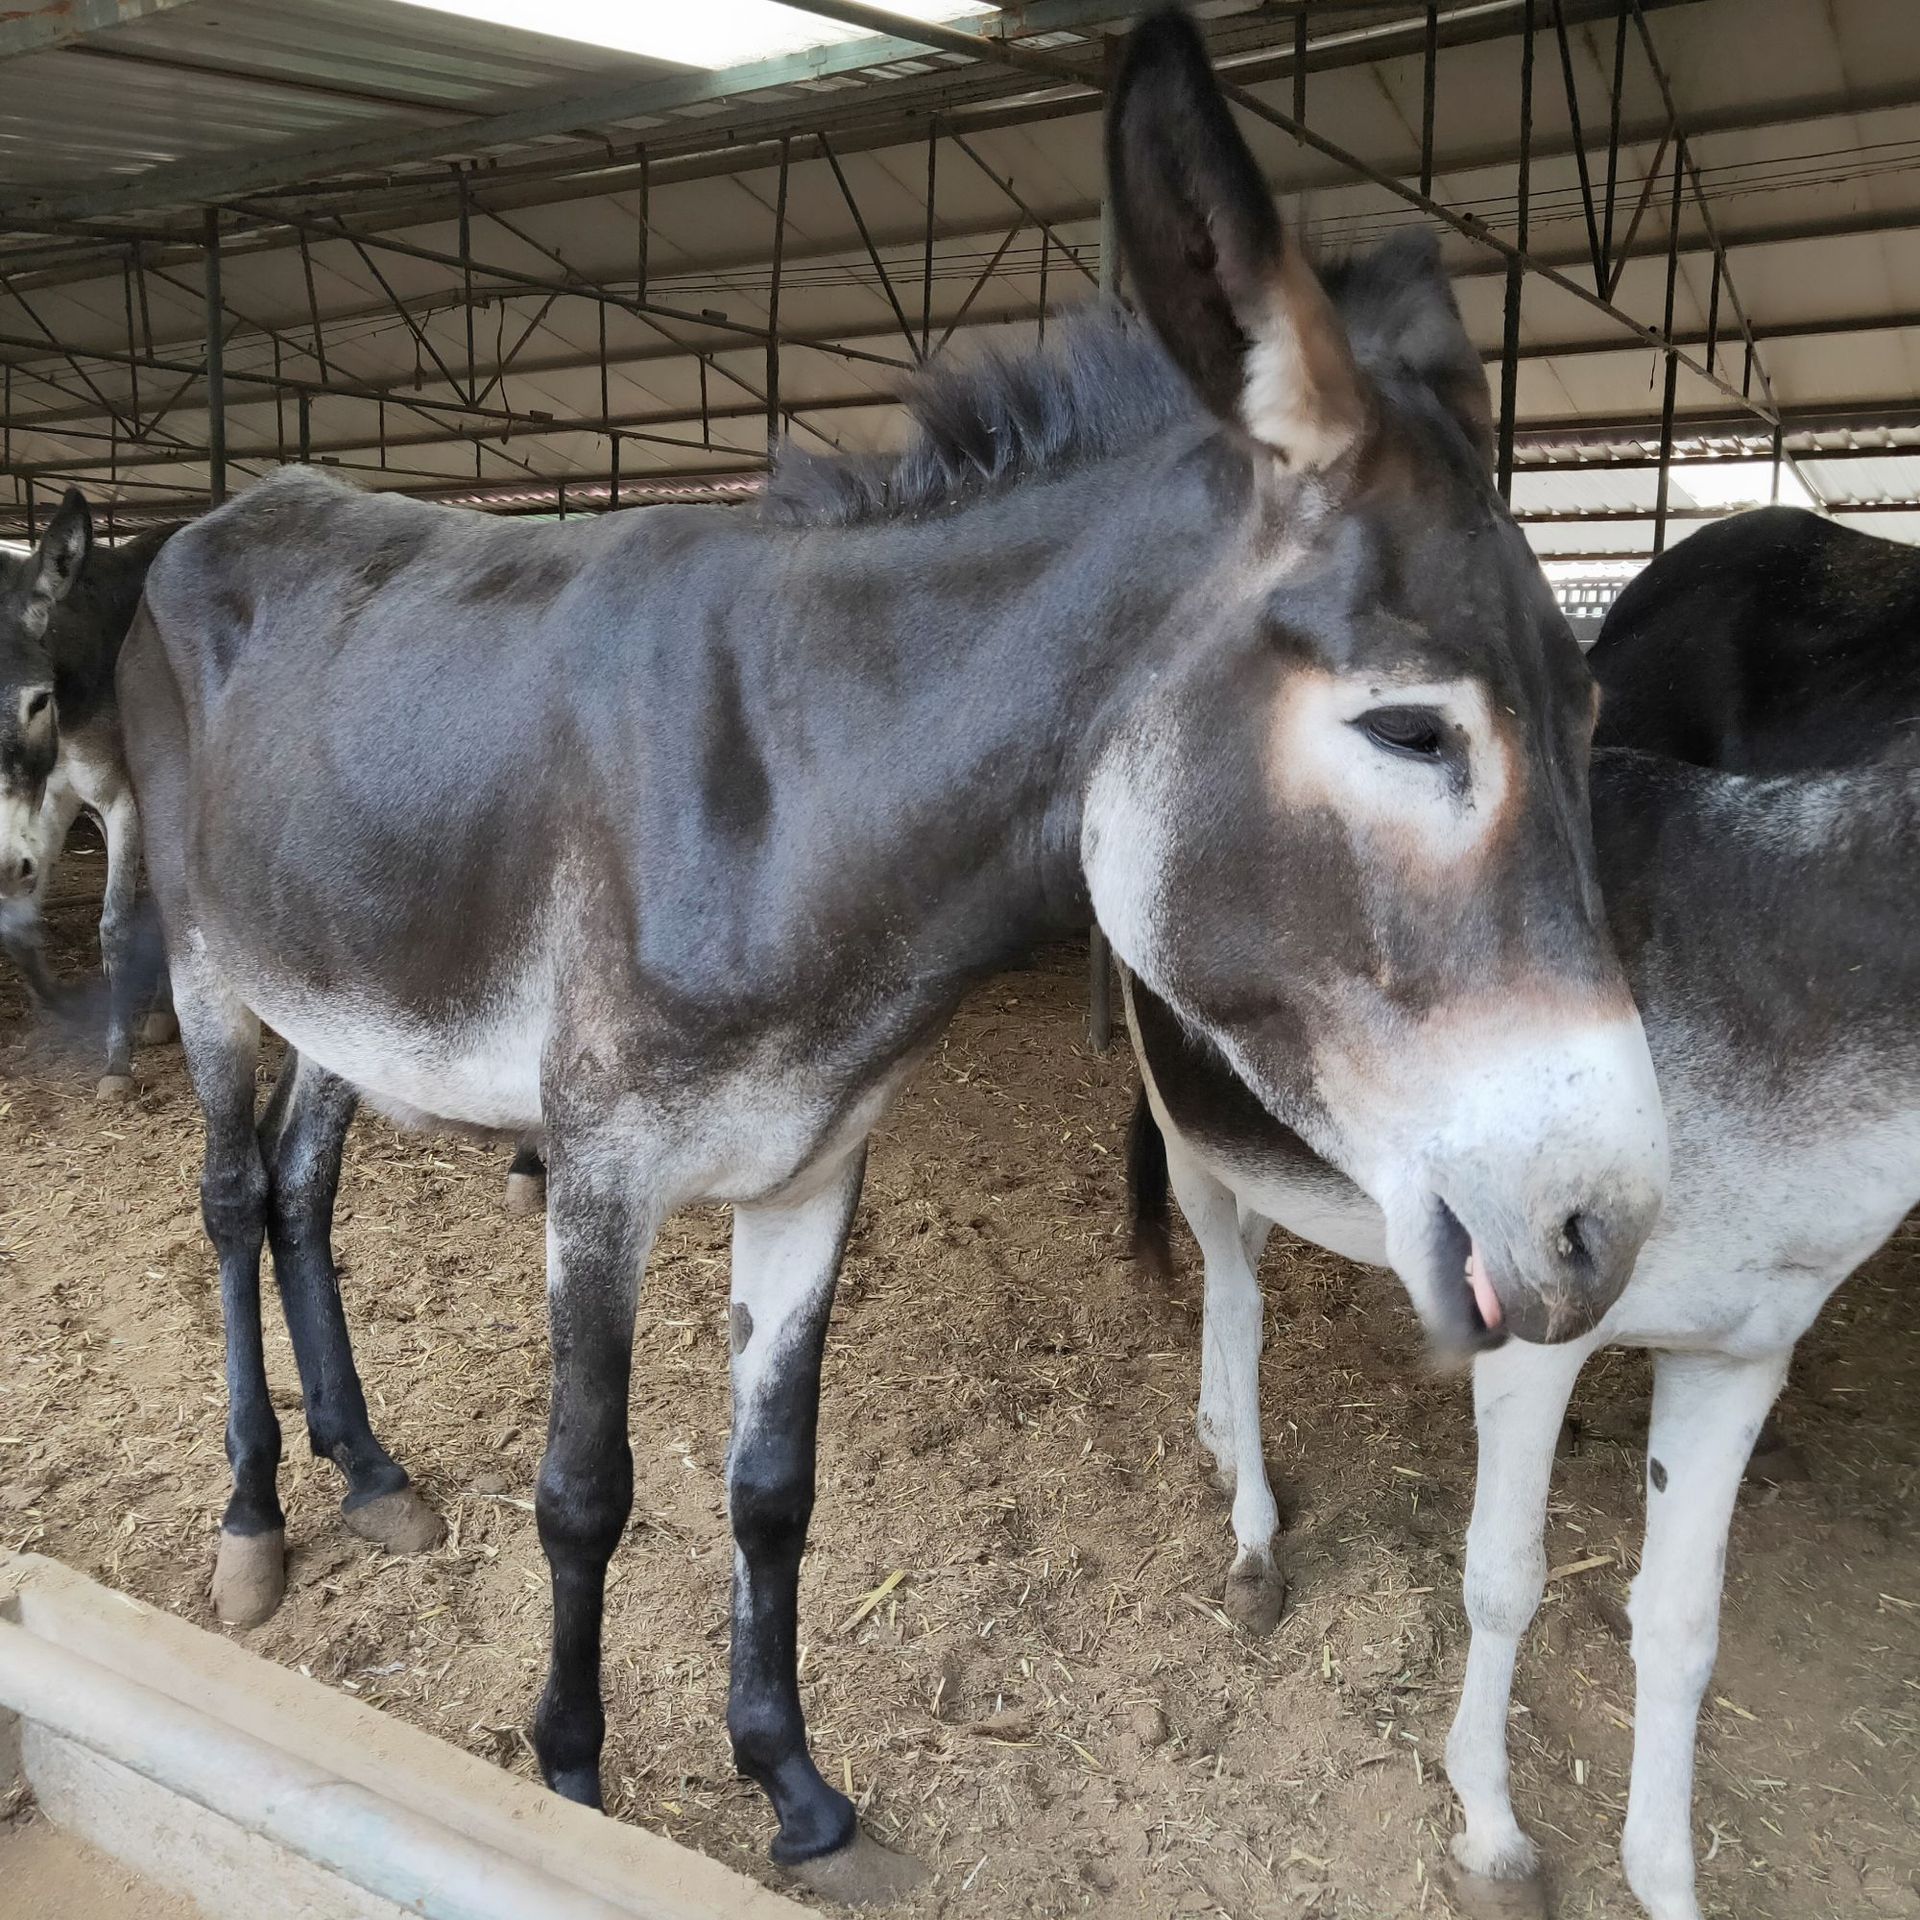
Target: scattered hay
1014,1658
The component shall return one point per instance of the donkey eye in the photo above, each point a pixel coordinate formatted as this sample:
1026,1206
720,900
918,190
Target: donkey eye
1415,731
38,705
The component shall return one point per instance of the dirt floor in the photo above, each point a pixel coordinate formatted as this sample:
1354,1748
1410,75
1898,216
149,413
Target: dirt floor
47,1874
1013,1654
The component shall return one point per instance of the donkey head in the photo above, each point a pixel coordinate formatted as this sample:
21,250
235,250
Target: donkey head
30,589
1343,828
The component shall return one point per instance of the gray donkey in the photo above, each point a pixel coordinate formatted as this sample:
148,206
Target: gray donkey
64,614
1770,931
677,836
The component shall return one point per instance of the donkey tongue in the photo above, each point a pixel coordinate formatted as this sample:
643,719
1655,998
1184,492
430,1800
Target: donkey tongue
1484,1296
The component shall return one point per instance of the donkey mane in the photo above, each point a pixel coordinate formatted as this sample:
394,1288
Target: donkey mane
1013,412
1100,385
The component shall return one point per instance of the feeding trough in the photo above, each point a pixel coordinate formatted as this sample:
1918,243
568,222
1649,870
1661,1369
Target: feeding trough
253,1791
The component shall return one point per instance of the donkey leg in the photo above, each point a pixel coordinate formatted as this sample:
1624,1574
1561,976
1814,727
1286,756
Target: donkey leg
526,1180
222,1041
1519,1398
599,1228
1707,1410
786,1260
1229,1421
301,1138
120,821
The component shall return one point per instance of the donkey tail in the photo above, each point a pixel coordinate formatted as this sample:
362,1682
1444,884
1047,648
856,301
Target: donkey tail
1147,1189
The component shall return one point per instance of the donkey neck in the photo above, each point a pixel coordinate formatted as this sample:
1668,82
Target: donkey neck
1820,1011
971,665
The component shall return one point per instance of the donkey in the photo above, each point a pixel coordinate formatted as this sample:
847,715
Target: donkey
1767,643
64,614
1788,1049
1772,642
679,835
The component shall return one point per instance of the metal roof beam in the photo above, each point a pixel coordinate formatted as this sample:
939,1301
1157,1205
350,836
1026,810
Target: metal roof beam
1471,24
52,27
532,114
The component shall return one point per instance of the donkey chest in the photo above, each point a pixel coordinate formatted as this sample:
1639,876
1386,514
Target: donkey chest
1762,1223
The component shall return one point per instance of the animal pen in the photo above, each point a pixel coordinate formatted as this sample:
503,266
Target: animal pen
514,270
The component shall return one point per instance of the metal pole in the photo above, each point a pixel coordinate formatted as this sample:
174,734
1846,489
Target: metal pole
466,282
1613,137
926,270
1429,81
1673,364
646,217
1099,954
216,367
773,306
1516,269
613,471
1300,66
126,298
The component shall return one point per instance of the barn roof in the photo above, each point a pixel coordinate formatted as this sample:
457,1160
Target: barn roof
435,271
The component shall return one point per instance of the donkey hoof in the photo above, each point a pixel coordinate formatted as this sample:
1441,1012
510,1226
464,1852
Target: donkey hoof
249,1576
158,1030
1256,1597
1483,1897
113,1088
863,1873
526,1192
399,1521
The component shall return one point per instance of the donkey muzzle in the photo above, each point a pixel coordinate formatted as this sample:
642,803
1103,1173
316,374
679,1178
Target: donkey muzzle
1553,1161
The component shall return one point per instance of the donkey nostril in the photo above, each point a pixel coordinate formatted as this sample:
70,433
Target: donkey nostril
26,868
1574,1241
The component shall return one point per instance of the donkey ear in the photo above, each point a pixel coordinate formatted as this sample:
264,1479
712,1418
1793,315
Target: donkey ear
1398,307
63,548
1236,306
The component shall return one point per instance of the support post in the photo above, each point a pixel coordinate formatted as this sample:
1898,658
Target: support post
773,305
926,269
1516,270
1613,143
1300,66
642,243
1673,365
1429,82
1099,955
466,282
216,367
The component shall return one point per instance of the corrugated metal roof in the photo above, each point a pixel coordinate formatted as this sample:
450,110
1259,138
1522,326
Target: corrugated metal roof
1808,144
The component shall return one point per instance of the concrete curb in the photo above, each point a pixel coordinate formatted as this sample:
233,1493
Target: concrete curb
257,1792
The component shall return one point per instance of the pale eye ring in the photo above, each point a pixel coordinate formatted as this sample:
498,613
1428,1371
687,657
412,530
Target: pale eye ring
38,705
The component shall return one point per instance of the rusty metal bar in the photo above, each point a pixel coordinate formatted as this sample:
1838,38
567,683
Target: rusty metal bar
926,271
1673,364
1579,143
1516,265
1047,231
1613,137
216,366
1429,83
873,252
773,305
